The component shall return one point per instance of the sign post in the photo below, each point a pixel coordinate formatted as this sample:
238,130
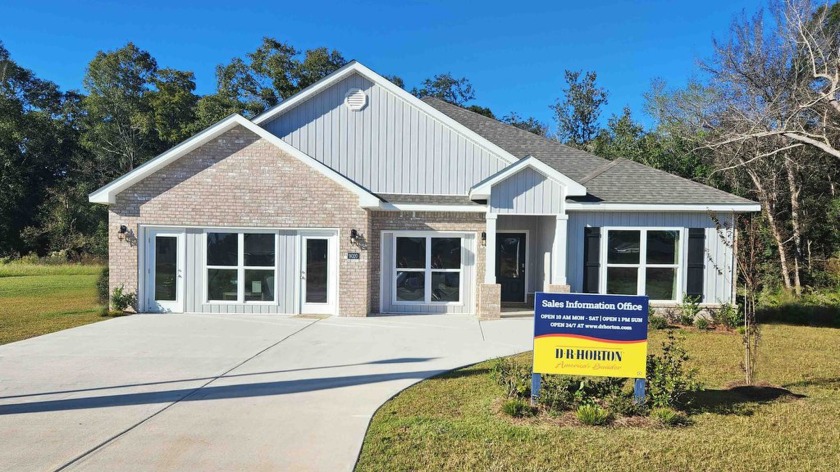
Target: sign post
590,335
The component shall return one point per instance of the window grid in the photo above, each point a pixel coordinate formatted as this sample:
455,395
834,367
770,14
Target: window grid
428,271
643,265
240,270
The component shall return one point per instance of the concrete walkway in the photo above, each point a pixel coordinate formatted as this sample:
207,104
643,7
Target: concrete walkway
232,392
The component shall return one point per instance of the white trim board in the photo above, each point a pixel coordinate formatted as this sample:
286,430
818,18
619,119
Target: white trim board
358,68
482,190
663,207
432,207
107,194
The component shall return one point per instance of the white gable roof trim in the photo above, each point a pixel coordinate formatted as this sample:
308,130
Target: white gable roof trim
108,193
663,207
358,68
482,190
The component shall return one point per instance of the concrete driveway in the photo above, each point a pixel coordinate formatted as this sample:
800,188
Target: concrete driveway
223,392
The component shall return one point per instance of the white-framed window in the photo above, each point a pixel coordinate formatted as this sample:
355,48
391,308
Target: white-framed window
240,267
643,261
428,268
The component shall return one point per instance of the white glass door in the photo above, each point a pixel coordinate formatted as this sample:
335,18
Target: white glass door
165,271
317,275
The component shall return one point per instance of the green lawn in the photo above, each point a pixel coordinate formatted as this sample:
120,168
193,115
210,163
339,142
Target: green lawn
40,299
452,422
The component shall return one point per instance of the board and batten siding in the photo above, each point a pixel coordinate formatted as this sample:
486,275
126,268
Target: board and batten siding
527,192
719,268
287,266
389,146
468,280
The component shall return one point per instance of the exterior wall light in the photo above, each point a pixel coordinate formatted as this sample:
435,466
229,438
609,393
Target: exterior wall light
123,232
484,239
357,239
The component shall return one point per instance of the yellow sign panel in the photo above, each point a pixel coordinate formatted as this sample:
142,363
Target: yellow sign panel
581,356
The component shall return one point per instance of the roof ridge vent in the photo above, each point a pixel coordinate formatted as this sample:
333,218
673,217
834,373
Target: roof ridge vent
355,99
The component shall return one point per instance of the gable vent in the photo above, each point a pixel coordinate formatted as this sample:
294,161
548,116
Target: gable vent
355,99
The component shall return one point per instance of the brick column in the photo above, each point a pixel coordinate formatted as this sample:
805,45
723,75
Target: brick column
490,301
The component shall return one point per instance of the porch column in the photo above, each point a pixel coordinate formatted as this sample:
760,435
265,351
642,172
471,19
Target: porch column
558,265
490,250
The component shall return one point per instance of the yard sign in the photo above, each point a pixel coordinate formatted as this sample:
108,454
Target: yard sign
589,334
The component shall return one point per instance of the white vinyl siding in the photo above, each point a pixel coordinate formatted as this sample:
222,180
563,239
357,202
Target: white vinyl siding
389,146
719,270
527,192
286,267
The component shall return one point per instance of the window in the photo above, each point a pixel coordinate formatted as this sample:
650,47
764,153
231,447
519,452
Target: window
643,261
240,267
427,269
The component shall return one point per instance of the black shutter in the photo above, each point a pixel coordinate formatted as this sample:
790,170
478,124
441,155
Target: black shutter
696,262
591,259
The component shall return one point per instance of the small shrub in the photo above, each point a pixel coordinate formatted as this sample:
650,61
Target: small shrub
729,315
514,377
517,408
669,381
623,404
31,258
701,323
120,300
669,417
102,287
593,415
56,257
817,308
689,308
657,322
557,393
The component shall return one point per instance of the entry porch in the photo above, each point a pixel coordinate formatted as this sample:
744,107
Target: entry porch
525,254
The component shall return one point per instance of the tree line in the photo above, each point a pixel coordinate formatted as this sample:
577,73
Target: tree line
56,147
761,122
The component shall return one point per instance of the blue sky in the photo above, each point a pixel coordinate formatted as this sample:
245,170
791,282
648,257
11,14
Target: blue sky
513,52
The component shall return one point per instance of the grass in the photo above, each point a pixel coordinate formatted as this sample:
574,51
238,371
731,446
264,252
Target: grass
40,299
452,422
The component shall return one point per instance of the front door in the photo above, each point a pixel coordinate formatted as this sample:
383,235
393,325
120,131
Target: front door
511,266
165,271
317,269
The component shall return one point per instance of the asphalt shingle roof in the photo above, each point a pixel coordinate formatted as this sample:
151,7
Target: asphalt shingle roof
427,199
617,181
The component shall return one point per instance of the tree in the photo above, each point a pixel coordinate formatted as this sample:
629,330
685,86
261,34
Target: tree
37,143
447,88
770,112
781,81
133,110
396,80
683,113
265,77
578,112
173,104
529,124
623,137
120,121
485,111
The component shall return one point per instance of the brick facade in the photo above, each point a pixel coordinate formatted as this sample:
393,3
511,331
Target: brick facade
241,181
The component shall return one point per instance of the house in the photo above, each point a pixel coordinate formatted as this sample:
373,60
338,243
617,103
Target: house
354,197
